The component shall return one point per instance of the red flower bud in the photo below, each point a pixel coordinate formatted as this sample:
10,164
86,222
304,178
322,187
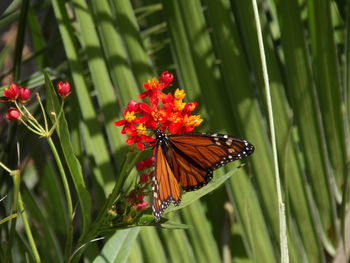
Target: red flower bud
13,114
166,78
148,162
63,89
24,94
12,91
140,166
143,178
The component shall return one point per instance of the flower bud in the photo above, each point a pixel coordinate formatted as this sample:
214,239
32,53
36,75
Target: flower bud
63,89
12,91
143,178
166,78
13,114
24,94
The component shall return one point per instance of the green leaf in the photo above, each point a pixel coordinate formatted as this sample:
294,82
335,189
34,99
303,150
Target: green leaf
118,246
52,105
191,197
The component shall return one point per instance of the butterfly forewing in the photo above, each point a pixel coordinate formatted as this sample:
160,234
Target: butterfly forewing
165,186
204,153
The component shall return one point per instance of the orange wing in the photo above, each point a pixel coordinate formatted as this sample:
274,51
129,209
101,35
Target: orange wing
165,187
195,156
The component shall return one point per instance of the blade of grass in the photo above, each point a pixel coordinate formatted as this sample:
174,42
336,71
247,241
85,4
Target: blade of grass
118,247
93,138
294,181
177,244
327,80
100,77
206,250
17,58
301,94
38,41
243,106
139,60
152,247
116,55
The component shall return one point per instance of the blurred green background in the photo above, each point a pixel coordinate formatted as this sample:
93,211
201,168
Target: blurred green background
107,49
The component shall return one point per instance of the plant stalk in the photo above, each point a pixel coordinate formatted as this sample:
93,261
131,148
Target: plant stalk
281,207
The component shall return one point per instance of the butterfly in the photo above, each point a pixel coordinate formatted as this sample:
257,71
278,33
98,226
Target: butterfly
188,160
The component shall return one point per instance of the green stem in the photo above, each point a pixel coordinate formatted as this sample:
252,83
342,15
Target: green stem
38,129
7,169
69,241
281,207
56,119
42,110
28,230
30,128
16,182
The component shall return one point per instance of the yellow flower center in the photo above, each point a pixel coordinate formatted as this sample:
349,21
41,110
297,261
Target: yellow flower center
141,130
153,83
179,94
179,105
174,118
130,116
193,120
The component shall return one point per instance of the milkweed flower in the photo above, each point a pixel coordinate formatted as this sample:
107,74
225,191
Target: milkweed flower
12,91
164,111
166,78
24,94
63,89
13,114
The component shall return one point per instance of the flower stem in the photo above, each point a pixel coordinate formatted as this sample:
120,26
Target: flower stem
281,207
16,182
42,110
28,230
30,119
69,241
56,120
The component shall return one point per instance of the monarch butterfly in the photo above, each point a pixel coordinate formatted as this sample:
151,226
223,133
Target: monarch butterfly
188,160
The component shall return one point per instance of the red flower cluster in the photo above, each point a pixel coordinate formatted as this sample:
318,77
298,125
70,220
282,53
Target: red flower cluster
165,111
13,92
137,200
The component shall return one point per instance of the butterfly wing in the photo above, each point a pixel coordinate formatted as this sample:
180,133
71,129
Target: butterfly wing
165,186
196,155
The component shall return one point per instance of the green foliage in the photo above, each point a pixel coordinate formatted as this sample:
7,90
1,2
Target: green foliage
106,50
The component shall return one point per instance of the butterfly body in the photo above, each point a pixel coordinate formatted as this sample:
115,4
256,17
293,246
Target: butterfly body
189,160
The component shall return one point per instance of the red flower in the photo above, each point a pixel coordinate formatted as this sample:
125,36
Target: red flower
12,91
140,166
153,88
143,178
63,89
166,78
140,206
165,112
130,118
24,94
148,162
13,114
138,138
